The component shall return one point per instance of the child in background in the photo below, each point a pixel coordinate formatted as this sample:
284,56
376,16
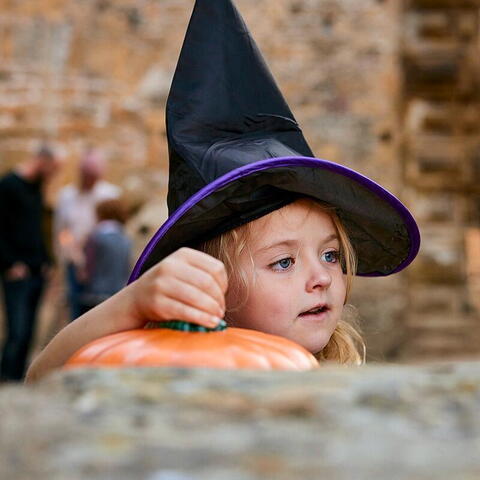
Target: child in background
260,232
107,255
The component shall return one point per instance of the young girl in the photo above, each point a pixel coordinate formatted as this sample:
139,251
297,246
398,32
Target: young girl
281,274
260,232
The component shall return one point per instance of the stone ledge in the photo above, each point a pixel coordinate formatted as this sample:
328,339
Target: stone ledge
374,422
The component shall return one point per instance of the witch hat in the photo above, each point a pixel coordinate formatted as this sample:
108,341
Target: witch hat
237,153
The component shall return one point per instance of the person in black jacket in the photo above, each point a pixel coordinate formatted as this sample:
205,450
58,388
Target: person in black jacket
23,255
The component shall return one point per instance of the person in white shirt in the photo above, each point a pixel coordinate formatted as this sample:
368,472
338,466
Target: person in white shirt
75,219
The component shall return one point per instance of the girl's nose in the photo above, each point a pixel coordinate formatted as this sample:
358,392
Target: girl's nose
318,278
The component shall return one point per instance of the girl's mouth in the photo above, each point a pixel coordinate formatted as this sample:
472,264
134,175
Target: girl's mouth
315,311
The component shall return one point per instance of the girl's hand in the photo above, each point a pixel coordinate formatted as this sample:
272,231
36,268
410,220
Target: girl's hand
187,285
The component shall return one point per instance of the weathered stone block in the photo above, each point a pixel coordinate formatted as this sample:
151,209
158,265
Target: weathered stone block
435,24
467,24
438,207
441,259
472,247
438,4
369,423
434,71
452,335
440,25
444,118
442,303
437,161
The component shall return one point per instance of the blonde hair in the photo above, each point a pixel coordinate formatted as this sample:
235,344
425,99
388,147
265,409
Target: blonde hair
346,345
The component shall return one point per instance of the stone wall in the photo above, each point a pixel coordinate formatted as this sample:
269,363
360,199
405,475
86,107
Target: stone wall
98,71
368,423
441,106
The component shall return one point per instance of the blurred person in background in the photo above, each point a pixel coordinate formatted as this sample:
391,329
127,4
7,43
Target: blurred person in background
107,255
75,219
24,258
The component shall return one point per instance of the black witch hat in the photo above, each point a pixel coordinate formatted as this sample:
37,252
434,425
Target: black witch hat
237,153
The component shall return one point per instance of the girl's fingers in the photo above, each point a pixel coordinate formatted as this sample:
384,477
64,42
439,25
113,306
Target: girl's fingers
201,280
191,295
171,309
187,285
207,263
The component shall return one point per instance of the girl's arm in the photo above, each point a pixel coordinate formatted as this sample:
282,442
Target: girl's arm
106,318
187,285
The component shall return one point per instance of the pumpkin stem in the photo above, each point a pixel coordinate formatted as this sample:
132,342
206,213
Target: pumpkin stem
186,326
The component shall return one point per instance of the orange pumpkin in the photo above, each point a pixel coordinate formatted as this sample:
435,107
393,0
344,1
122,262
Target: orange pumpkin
178,344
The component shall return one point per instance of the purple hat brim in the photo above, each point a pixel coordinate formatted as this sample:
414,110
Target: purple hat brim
280,162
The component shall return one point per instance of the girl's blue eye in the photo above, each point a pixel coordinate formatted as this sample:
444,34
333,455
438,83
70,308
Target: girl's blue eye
283,264
331,257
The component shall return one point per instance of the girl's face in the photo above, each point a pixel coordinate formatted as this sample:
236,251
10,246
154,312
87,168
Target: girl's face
296,287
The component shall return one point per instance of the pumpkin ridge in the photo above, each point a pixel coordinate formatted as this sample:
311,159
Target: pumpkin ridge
247,357
167,339
84,355
241,343
213,349
280,358
294,355
168,346
105,358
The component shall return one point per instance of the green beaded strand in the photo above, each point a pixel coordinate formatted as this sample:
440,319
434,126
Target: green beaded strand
186,326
